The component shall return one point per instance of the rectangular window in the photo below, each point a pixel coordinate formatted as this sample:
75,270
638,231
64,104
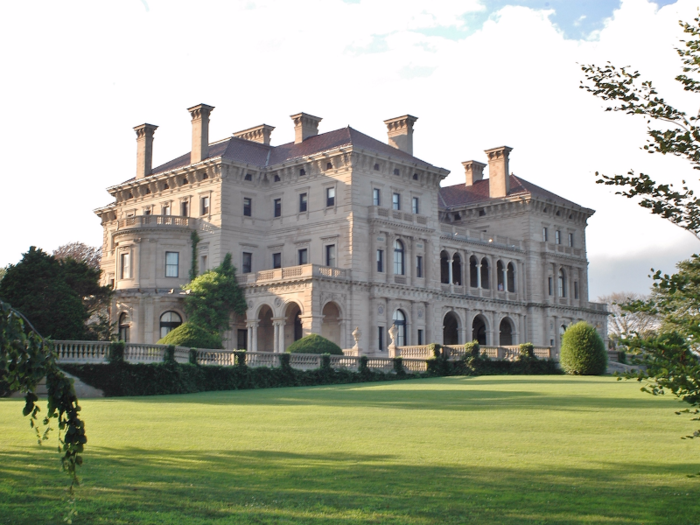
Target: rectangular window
277,260
247,262
545,234
278,207
185,209
166,210
147,212
396,201
419,266
330,197
247,206
575,289
330,255
420,336
380,260
376,197
304,256
125,268
380,338
415,205
557,237
172,264
242,343
549,282
571,240
205,206
203,264
303,202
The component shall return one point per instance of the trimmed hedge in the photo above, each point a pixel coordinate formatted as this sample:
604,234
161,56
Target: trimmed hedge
192,336
314,344
583,351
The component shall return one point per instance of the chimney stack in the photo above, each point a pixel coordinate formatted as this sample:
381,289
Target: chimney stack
144,149
305,126
473,171
200,132
499,178
400,131
259,134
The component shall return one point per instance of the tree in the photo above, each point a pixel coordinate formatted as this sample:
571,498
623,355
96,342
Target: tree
3,271
91,255
623,324
212,298
675,132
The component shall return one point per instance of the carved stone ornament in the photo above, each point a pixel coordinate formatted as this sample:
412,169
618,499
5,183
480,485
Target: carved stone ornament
250,304
278,301
420,313
380,309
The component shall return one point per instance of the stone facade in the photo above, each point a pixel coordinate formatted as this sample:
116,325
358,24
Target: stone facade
338,231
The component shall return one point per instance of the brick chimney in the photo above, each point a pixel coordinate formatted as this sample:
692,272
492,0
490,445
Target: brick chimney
499,178
259,134
473,171
200,132
400,131
305,126
144,149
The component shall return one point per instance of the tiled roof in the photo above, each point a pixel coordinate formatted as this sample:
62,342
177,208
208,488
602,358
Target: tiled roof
260,155
461,195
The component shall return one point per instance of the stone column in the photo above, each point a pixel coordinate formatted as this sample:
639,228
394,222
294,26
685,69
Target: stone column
429,335
278,341
463,333
390,257
449,273
252,326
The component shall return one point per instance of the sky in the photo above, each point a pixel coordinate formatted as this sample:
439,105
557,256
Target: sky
78,76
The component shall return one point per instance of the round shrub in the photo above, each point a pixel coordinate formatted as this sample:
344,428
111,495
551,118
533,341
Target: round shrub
192,336
314,344
583,351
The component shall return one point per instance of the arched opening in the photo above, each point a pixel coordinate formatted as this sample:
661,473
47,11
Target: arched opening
562,283
266,332
124,323
485,273
450,329
399,268
293,330
511,277
168,322
473,272
499,276
330,325
400,322
457,269
444,267
479,330
505,332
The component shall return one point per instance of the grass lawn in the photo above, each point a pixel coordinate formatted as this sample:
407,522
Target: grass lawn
505,450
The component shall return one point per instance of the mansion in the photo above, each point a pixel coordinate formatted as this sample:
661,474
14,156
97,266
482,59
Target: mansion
337,231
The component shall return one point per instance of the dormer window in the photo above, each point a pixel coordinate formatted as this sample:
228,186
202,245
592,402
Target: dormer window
482,212
165,186
248,176
329,166
558,213
396,171
185,181
205,176
148,191
415,176
277,178
302,172
130,196
376,167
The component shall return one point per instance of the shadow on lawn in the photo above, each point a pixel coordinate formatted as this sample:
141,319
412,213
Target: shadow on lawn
253,486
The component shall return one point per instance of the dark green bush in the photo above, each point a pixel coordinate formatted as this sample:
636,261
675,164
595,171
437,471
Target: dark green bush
240,358
314,344
583,351
527,351
435,349
192,336
472,348
116,352
398,366
169,355
364,367
285,361
326,362
193,356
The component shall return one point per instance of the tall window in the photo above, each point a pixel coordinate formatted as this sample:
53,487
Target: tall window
303,202
571,240
125,266
419,266
557,237
415,205
330,197
203,264
247,262
380,260
575,289
304,256
247,206
277,260
124,324
562,283
168,322
185,208
550,287
205,206
376,197
172,264
545,234
396,201
400,323
166,210
330,255
380,338
398,257
420,336
278,207
485,282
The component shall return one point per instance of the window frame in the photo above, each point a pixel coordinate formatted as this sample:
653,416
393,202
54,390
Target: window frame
545,234
247,206
277,207
276,260
125,265
330,253
415,205
305,253
204,205
380,261
557,236
419,266
399,253
330,197
169,265
247,265
396,201
376,197
303,202
185,208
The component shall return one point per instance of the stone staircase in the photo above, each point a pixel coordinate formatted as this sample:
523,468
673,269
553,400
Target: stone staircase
82,390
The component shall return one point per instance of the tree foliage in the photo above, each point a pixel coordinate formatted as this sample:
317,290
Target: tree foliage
90,255
314,344
213,296
192,336
674,132
583,351
623,324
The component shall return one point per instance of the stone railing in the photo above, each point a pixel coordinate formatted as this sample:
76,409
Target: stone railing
150,221
454,352
98,351
294,272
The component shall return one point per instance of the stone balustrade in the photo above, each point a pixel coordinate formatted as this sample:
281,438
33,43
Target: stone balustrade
293,272
155,221
454,352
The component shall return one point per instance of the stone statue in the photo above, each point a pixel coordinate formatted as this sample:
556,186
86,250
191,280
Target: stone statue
392,335
356,334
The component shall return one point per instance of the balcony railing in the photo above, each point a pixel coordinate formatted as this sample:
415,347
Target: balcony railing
164,221
294,272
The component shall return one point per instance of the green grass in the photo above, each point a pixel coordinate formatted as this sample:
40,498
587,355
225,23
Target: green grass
506,450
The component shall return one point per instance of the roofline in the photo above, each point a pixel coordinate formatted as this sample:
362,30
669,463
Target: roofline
518,197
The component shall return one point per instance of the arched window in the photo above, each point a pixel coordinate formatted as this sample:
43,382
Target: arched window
450,329
562,283
479,330
400,322
444,268
499,276
124,324
457,269
473,272
511,277
168,322
505,332
485,273
398,258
